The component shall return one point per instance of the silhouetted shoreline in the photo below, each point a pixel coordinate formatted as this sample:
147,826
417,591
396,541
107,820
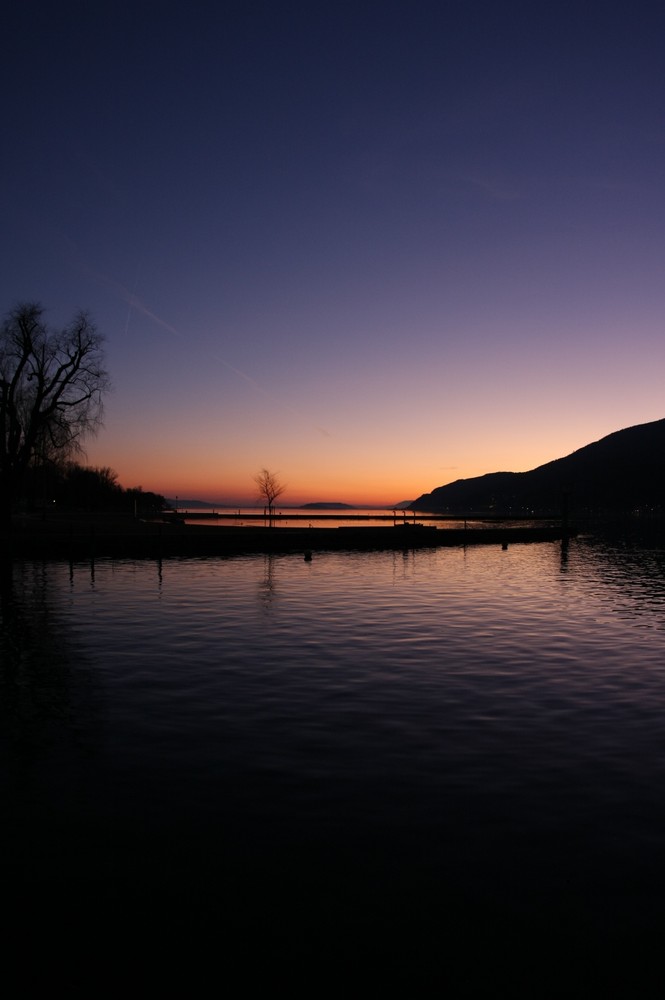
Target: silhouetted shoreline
84,536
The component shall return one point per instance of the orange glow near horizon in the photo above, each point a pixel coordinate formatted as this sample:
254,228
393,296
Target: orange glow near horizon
396,471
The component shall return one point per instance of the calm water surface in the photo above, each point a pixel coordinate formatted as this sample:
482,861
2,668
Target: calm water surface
466,740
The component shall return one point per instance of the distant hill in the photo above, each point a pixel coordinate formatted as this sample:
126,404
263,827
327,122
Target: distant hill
621,472
326,506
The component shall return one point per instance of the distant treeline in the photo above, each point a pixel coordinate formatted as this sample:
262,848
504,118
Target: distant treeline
71,486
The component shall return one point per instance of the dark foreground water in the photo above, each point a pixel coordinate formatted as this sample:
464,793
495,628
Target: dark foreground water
444,767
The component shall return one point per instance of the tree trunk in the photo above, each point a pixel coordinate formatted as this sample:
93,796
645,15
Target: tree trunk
7,496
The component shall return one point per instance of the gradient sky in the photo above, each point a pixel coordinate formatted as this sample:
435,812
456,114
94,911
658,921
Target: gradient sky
375,247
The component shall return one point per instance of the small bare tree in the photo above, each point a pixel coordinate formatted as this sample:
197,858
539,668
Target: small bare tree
52,386
270,488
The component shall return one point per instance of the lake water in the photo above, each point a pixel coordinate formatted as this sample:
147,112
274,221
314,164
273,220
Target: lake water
295,517
298,517
442,749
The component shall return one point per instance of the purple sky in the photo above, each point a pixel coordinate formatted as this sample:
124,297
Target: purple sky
375,247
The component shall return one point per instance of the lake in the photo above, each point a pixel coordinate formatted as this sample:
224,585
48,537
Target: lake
373,755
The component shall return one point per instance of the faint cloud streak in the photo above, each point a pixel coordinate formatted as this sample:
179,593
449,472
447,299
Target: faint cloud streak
264,392
134,302
495,189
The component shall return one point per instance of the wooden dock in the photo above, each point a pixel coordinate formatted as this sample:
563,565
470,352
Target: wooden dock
88,537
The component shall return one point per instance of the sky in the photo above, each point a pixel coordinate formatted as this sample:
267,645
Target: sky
374,247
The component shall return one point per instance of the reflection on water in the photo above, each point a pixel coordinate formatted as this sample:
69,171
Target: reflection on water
445,738
298,518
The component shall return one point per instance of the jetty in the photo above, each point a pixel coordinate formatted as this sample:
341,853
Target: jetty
85,536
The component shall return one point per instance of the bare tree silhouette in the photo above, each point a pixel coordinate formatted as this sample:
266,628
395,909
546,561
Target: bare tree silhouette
270,488
52,386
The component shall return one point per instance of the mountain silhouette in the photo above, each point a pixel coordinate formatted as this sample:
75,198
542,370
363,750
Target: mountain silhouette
622,472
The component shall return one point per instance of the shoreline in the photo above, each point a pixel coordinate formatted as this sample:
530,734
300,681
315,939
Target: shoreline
89,536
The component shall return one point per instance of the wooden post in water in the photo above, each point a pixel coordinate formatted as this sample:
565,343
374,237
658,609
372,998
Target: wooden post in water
564,513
